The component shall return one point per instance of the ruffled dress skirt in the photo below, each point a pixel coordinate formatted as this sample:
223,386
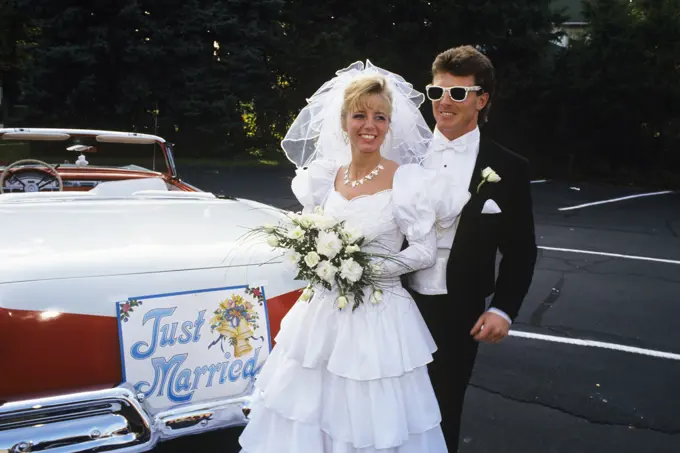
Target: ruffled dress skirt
343,381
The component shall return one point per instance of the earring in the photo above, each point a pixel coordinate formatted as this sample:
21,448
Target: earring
345,137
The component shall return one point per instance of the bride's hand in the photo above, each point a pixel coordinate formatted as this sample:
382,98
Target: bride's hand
490,328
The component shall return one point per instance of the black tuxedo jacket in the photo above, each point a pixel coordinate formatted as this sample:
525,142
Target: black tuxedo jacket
471,269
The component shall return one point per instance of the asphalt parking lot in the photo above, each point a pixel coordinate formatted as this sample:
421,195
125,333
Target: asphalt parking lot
593,360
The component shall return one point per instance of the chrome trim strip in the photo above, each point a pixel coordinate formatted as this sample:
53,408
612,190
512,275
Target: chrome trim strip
42,404
108,420
202,417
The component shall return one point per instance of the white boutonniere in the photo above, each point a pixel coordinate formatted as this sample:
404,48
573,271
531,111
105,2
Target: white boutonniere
488,175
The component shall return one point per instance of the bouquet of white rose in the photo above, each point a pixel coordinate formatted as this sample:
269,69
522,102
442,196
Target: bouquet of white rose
327,253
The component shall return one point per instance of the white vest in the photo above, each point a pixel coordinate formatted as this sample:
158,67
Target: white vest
455,161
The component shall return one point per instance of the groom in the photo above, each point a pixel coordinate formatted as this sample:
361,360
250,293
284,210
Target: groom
452,294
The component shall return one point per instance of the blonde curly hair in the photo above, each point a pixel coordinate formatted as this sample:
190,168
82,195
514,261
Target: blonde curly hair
359,90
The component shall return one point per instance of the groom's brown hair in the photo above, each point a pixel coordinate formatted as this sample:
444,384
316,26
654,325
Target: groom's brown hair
467,61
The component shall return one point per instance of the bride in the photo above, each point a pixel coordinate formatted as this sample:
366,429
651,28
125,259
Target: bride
355,381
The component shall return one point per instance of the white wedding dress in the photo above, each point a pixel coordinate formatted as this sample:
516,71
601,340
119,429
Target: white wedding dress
343,381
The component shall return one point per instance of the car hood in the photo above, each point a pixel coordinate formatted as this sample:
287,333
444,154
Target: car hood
60,239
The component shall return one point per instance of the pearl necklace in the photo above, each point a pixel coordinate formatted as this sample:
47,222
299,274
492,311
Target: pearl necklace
355,183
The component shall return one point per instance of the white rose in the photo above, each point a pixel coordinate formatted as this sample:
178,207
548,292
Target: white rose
490,175
307,294
352,249
318,210
351,235
376,269
312,259
342,302
306,221
323,222
296,233
376,297
272,241
269,227
328,244
351,270
326,271
293,257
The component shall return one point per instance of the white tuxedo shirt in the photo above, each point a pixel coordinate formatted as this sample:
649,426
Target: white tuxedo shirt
454,160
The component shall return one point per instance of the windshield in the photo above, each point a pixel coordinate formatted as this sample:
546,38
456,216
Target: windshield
100,155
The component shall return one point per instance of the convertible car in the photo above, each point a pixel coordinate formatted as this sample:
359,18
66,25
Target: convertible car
134,307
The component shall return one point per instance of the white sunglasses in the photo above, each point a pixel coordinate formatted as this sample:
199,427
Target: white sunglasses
456,93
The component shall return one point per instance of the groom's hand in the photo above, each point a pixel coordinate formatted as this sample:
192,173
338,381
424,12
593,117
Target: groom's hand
490,328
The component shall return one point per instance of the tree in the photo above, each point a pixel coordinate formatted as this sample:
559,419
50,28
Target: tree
189,65
233,73
14,37
404,36
618,107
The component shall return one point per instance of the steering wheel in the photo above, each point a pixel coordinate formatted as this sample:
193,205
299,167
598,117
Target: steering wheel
49,170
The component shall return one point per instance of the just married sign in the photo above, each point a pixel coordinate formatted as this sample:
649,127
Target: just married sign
193,346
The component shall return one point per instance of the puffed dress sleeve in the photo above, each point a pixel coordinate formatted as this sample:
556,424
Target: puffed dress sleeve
415,215
312,184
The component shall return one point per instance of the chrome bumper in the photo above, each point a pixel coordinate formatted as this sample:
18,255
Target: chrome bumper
108,420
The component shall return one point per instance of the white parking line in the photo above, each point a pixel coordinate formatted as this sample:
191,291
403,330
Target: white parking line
569,208
538,181
614,255
596,344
